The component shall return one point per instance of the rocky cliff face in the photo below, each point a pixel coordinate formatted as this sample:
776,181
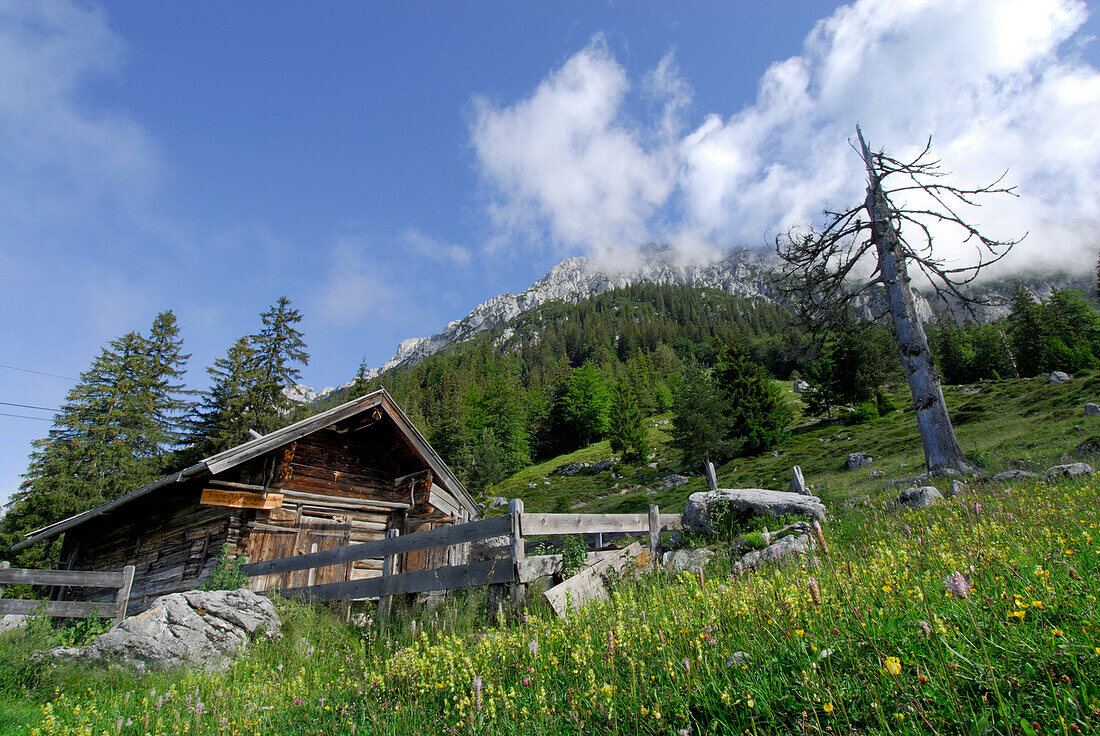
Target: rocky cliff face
741,272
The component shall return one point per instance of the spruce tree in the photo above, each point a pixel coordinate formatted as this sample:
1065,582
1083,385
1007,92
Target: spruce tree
700,427
1029,333
360,385
228,407
758,413
625,431
279,350
113,434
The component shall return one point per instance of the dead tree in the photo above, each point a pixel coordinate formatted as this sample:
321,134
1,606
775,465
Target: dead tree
825,271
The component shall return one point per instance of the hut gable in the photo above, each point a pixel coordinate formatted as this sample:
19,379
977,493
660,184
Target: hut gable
343,476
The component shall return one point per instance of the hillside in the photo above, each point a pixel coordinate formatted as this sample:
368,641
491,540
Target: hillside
865,640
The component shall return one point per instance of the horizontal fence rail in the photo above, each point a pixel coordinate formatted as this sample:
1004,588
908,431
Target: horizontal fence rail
442,537
538,524
122,581
489,572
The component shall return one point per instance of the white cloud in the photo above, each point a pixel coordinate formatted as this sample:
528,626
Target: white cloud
61,160
434,248
353,288
996,82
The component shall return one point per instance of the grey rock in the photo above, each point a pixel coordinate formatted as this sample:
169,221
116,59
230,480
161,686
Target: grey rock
569,470
651,465
919,497
692,560
660,423
857,460
12,622
492,548
798,483
1015,475
601,466
877,473
494,501
706,508
800,387
1059,377
796,545
1092,410
1072,470
958,488
737,659
673,481
205,629
1090,446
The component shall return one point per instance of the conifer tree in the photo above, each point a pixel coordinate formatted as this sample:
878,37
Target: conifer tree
279,350
701,426
1029,333
113,433
580,412
228,408
758,414
625,431
360,385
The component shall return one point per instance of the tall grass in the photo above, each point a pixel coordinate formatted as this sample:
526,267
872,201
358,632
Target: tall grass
863,639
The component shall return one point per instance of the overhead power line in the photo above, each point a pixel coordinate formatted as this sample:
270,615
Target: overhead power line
29,406
24,416
37,373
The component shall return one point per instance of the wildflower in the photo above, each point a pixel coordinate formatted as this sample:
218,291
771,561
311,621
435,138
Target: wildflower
751,703
533,646
1057,632
925,627
893,666
815,591
828,707
957,585
1017,614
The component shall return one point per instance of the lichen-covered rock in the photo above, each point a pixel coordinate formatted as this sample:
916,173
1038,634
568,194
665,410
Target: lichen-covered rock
1072,470
12,622
707,511
857,460
204,629
919,497
1059,377
1015,475
1092,410
673,481
692,560
797,545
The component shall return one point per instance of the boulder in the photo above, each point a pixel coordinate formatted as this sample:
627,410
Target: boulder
1058,377
601,466
1072,470
709,509
205,629
1092,410
798,483
692,560
494,501
1090,446
12,622
795,544
491,548
1015,475
919,497
958,488
857,460
673,481
800,386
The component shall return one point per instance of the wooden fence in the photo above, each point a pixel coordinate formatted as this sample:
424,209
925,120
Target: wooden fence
72,578
517,569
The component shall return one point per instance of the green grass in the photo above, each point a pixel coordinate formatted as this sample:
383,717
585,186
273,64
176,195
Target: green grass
885,651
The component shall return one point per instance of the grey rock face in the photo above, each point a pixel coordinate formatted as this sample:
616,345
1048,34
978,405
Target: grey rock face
707,510
1072,470
205,629
919,497
1092,410
798,483
857,460
692,560
673,481
1015,475
1059,377
796,545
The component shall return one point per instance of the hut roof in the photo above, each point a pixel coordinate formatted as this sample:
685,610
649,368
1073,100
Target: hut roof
234,456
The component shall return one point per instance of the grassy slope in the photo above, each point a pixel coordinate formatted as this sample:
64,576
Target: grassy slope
885,652
1006,425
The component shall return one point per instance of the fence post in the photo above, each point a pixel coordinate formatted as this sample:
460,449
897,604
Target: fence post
122,598
385,601
3,566
518,551
655,534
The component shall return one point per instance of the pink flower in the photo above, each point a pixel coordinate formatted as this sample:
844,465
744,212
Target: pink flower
957,585
297,701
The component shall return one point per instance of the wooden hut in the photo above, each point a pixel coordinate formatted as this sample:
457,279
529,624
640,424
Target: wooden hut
344,476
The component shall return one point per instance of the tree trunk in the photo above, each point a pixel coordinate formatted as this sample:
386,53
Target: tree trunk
941,448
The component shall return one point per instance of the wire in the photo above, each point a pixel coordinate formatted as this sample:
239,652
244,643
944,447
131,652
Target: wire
37,373
29,406
24,416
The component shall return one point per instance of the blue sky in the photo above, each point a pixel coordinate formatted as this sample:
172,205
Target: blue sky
388,166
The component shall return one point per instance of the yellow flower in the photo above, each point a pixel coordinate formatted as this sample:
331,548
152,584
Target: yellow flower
1017,614
828,707
1057,632
750,702
893,666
